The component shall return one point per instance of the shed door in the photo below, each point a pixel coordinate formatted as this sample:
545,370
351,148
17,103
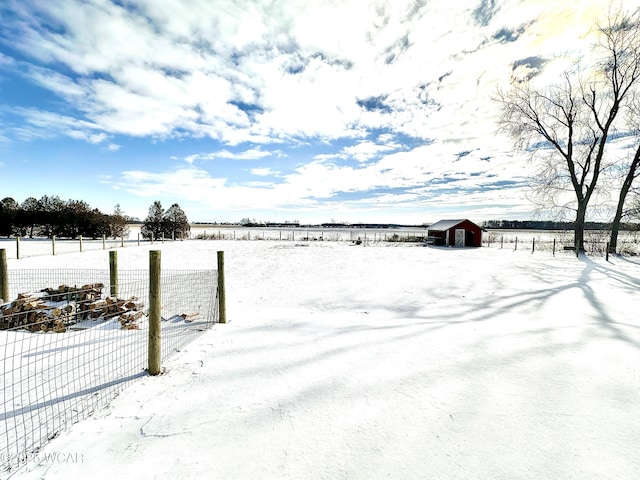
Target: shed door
459,237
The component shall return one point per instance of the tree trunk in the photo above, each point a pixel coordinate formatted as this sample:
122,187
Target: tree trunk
578,227
626,186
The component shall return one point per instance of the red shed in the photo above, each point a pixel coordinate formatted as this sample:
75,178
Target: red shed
455,233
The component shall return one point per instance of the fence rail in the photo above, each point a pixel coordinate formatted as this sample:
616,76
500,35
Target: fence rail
19,247
75,345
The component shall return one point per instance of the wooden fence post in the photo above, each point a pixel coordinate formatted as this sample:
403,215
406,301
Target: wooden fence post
113,272
122,241
222,306
162,237
516,244
607,254
81,243
554,247
18,247
4,276
104,242
154,312
53,244
138,238
533,245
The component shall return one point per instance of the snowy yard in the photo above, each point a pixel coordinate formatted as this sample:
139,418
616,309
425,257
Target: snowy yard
384,361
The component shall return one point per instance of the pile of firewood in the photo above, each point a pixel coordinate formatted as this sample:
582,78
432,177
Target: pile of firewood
56,309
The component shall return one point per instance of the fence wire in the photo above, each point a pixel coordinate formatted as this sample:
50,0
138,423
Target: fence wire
69,346
595,242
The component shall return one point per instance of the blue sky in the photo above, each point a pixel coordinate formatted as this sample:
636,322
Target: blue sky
310,110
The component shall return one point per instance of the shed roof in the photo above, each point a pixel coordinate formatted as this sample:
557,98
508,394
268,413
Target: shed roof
443,225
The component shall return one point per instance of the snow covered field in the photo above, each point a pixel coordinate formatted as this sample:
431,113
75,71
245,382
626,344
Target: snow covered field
595,240
379,361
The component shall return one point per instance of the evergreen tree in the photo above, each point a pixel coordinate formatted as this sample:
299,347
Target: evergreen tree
50,216
27,217
75,219
119,223
8,212
176,223
153,225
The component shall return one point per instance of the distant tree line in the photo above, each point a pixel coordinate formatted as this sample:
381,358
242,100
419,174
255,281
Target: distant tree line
51,216
172,223
553,225
248,222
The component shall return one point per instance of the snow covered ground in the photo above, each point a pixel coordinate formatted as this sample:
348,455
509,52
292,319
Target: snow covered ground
379,361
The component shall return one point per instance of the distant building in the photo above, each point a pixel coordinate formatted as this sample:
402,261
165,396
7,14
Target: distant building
455,233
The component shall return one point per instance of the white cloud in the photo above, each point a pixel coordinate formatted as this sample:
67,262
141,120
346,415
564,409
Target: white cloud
172,70
44,124
264,172
366,150
249,154
412,179
90,138
6,61
353,75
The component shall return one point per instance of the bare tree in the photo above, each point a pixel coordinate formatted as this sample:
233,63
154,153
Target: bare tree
630,170
566,126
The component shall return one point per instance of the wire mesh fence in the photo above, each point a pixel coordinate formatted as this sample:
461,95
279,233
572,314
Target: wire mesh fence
70,343
595,242
40,246
314,234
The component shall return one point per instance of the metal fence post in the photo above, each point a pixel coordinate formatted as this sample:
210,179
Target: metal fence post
18,247
104,241
81,243
4,276
113,273
154,312
222,307
53,244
